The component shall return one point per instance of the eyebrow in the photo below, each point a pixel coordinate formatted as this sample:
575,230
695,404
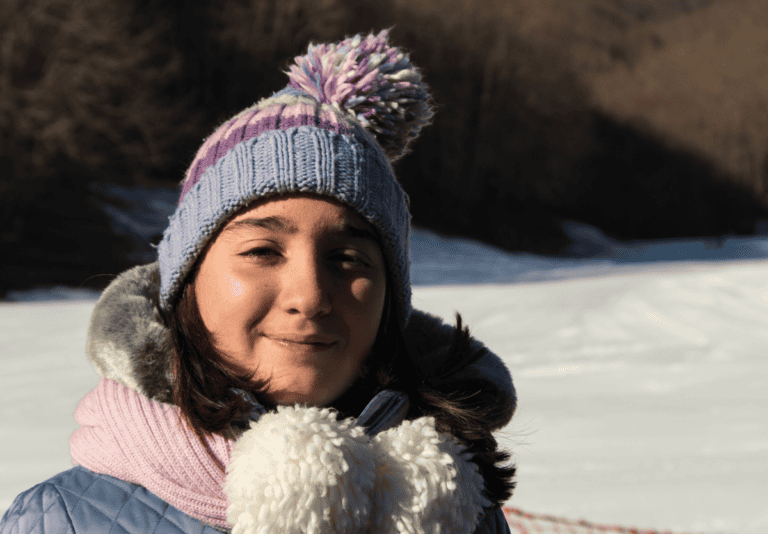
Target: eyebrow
353,231
282,225
274,223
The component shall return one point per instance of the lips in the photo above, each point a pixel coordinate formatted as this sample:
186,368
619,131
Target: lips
313,340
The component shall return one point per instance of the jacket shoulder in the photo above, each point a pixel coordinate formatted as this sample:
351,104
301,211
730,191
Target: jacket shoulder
493,522
80,501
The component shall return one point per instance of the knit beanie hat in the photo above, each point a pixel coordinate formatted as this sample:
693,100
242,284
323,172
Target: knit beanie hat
350,109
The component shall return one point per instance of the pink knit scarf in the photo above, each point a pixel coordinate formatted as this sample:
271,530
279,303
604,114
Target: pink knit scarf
127,436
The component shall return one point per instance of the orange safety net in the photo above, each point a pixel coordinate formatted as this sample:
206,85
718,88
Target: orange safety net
526,523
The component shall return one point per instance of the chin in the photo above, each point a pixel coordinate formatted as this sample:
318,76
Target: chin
310,388
310,399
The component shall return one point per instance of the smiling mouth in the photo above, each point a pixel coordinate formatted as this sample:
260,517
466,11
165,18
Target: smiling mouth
305,343
309,342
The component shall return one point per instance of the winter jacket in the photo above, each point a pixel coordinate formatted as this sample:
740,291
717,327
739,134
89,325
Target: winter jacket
128,343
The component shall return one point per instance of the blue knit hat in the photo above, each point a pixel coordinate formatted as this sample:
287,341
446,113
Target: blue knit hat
350,109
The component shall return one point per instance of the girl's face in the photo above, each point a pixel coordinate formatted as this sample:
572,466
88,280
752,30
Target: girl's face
293,289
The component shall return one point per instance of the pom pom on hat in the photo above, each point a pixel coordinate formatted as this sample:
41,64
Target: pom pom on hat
371,82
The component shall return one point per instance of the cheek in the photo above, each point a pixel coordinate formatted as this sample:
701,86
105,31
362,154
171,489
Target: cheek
227,300
223,297
368,296
233,287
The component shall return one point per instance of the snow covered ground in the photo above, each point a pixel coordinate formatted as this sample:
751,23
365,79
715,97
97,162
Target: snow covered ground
640,369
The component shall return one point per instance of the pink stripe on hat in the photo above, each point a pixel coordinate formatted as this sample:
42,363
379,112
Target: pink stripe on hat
238,123
265,119
300,110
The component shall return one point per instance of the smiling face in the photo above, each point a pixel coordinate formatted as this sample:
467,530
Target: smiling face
293,289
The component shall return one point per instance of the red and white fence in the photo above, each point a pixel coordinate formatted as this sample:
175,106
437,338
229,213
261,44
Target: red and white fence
526,523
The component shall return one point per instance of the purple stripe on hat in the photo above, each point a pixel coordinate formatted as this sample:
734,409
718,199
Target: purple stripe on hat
334,127
208,158
253,124
237,126
215,147
298,120
227,136
188,184
216,137
265,119
244,129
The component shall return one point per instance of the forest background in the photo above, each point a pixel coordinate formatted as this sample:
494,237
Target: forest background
645,118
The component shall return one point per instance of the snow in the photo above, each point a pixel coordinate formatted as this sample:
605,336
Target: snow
642,397
640,369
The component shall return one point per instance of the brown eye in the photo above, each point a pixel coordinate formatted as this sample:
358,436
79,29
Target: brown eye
261,252
350,259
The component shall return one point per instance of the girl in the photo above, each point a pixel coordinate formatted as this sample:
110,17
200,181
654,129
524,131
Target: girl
267,373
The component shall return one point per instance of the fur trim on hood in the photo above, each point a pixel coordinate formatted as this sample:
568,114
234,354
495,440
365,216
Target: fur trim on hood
129,342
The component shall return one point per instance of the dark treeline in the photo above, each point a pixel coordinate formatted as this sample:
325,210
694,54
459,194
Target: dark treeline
123,91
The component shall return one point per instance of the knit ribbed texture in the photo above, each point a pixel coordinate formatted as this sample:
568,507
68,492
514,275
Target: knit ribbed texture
301,159
125,435
251,123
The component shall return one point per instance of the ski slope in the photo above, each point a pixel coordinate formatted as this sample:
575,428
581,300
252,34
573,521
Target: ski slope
640,367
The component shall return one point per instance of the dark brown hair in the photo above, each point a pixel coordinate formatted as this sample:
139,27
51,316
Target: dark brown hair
203,382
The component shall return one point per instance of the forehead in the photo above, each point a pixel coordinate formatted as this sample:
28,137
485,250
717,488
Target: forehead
298,213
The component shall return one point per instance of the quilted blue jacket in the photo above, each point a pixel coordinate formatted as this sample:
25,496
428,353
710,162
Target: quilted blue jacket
79,501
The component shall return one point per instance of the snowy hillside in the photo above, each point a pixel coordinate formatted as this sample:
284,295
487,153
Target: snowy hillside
643,386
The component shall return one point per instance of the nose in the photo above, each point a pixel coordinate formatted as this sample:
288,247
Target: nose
306,289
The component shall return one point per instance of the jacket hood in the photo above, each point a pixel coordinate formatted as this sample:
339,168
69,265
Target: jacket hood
129,342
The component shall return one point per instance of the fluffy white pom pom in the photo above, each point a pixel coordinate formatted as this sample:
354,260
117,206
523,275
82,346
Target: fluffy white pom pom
425,482
301,471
